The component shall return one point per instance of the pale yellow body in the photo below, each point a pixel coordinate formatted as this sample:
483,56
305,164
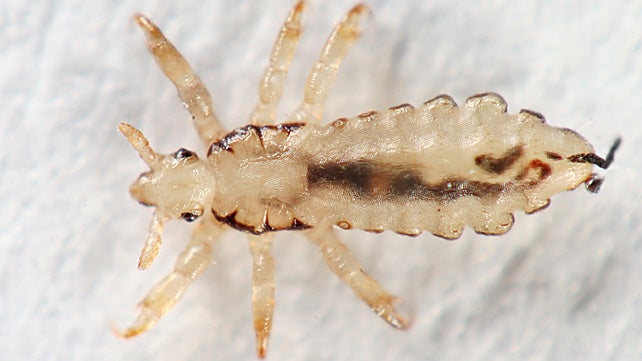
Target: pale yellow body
435,168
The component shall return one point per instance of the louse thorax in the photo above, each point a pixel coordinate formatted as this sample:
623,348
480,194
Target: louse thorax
180,186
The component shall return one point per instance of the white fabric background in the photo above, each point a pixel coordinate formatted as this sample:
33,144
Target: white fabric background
564,284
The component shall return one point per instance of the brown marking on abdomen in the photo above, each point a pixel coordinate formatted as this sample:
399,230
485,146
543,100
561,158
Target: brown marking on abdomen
353,175
494,165
368,179
553,155
545,169
542,171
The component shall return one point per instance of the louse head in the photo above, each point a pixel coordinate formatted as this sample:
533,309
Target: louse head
179,185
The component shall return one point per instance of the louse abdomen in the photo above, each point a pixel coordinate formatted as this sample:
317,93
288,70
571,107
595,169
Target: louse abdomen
437,168
377,196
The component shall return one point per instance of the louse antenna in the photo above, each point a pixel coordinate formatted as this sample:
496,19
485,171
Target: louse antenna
138,141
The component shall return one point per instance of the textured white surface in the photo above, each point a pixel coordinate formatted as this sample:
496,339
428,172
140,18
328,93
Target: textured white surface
563,284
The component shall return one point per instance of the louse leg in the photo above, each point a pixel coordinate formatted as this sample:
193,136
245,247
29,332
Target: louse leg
191,90
346,266
262,290
273,80
190,264
324,72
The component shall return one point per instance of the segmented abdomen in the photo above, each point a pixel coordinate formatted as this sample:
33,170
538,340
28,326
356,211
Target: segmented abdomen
436,168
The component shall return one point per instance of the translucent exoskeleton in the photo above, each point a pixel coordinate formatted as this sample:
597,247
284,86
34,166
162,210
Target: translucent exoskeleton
437,168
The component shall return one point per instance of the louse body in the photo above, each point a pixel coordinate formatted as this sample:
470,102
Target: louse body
436,168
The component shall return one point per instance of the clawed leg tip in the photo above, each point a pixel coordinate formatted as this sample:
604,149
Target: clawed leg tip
262,338
298,7
147,257
261,347
395,318
399,323
360,9
128,333
151,30
143,265
125,129
143,21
